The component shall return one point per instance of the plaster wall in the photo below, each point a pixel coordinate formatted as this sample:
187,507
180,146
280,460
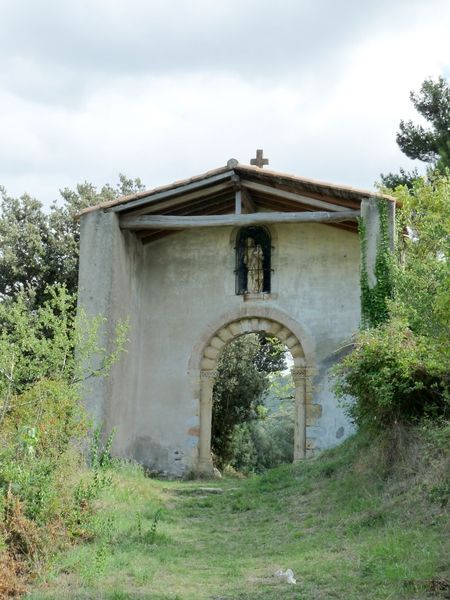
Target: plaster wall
109,286
174,288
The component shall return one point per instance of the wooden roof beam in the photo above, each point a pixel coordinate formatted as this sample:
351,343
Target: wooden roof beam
147,222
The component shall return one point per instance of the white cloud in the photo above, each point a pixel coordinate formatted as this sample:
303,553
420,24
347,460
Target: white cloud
321,86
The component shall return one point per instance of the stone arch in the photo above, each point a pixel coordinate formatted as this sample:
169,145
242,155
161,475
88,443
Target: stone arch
249,313
206,355
242,326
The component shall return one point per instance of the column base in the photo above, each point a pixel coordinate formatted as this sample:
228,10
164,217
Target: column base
205,469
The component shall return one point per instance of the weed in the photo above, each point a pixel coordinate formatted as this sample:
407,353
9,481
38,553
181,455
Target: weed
154,526
149,537
139,525
440,493
94,566
101,453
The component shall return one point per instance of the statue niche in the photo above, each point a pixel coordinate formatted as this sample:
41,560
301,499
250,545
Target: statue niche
253,249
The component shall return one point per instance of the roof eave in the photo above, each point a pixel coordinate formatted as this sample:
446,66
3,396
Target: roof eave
210,178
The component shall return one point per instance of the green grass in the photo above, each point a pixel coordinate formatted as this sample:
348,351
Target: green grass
344,528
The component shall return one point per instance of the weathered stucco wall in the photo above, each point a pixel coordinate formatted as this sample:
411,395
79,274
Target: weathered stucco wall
172,291
109,285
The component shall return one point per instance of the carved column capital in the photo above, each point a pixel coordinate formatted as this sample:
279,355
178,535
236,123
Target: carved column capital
299,374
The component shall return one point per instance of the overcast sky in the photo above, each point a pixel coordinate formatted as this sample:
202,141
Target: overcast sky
166,89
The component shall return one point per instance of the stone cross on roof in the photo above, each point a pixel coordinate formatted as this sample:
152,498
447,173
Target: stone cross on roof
259,161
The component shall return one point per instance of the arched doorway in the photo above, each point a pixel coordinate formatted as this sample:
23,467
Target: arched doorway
262,320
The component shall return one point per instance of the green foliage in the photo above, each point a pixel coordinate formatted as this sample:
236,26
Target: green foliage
242,378
154,526
268,441
46,492
399,371
422,273
430,145
392,181
39,248
100,461
374,309
40,343
100,455
263,444
394,377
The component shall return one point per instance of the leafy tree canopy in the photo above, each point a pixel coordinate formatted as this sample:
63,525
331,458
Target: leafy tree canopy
431,145
422,274
243,377
428,144
39,248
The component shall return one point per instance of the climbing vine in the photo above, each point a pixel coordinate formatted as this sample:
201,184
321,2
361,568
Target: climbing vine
374,309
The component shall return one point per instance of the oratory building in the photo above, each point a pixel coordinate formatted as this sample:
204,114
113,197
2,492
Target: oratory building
195,264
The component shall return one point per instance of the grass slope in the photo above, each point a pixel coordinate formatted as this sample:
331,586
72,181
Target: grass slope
347,528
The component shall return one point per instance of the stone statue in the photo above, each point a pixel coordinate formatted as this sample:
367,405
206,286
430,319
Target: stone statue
253,260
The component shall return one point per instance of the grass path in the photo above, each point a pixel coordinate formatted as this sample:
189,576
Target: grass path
343,531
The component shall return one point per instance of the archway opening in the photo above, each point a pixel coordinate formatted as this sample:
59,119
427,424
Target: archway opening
260,323
253,405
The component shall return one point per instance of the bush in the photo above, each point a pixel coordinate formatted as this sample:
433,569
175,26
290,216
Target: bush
398,372
46,490
394,377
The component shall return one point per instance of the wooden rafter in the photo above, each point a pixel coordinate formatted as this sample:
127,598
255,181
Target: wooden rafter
155,204
304,199
193,207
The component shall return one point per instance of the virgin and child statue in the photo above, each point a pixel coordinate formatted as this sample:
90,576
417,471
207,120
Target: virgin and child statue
253,260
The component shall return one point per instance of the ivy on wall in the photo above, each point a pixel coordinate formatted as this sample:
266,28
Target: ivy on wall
374,300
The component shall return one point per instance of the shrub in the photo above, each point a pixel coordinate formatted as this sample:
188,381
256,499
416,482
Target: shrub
398,371
394,377
46,490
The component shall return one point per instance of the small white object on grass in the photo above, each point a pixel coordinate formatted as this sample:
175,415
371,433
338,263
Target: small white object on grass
287,576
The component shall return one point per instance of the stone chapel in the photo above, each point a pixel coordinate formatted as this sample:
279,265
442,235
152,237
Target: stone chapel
194,264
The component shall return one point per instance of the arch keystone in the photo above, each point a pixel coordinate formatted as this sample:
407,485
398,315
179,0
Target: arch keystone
246,326
255,324
265,325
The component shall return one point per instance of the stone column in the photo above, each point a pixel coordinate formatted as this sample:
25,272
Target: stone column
371,217
205,466
299,377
